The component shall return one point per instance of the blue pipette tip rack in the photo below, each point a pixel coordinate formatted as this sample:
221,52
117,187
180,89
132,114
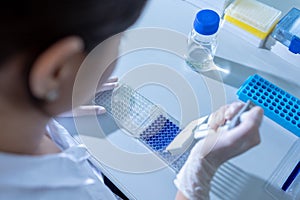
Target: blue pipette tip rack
144,120
278,105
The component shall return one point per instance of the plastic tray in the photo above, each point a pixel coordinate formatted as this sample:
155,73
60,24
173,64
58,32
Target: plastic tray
150,124
287,31
253,16
130,109
278,105
282,174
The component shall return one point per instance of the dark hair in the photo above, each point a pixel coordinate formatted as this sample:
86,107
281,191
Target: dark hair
31,26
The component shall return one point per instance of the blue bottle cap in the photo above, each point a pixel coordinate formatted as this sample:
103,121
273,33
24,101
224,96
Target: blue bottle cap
295,45
206,22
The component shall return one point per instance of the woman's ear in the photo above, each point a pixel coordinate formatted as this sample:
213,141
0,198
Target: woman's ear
49,69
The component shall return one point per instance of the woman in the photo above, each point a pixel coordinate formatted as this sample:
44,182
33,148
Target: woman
43,44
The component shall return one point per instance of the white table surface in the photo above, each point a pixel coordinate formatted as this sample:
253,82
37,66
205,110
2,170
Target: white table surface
257,164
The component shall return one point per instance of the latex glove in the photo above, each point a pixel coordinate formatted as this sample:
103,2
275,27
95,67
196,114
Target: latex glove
193,180
85,110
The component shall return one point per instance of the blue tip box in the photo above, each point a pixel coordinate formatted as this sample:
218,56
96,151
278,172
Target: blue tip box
278,105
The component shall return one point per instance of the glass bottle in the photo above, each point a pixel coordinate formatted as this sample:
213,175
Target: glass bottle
202,41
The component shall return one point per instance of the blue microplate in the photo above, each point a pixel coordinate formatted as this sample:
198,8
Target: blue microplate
160,133
150,124
278,105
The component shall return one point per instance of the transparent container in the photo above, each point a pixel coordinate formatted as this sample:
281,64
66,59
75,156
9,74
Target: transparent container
202,41
287,31
284,183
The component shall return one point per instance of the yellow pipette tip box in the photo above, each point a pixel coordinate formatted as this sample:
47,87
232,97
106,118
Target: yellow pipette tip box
252,17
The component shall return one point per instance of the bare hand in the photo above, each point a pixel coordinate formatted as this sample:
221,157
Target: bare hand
85,110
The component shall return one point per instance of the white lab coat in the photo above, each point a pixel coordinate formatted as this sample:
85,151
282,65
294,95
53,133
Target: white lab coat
66,175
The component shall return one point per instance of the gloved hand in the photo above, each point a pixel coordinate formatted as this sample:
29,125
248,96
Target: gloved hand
193,180
85,110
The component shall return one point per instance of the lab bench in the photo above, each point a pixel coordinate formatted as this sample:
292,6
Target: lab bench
164,78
